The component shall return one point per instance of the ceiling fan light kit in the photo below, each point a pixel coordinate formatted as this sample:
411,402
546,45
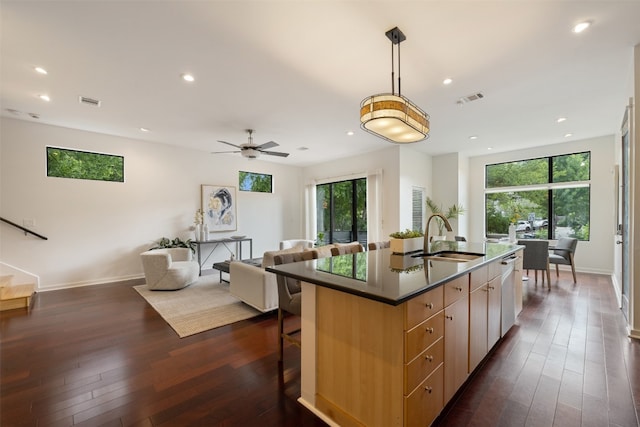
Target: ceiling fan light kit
251,150
390,116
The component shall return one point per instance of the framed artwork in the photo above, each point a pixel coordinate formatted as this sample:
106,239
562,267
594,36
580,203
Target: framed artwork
219,207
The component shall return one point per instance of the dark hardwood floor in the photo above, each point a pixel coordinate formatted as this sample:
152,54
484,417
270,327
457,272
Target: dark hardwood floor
101,356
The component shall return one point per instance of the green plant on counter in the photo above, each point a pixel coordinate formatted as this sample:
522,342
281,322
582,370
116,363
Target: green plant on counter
406,234
164,243
453,212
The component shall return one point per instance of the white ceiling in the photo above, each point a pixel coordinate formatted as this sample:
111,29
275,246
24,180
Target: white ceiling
296,71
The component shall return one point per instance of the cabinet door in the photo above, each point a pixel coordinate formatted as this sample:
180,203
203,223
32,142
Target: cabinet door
456,346
494,311
478,303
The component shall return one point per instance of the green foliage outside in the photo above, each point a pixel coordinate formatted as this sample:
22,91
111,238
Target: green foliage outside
257,182
334,205
566,208
84,165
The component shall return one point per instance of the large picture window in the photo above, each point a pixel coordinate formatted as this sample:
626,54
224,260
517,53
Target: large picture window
342,211
546,198
65,163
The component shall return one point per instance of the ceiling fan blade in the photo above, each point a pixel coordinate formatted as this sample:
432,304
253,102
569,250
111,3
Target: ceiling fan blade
223,152
267,145
275,153
228,143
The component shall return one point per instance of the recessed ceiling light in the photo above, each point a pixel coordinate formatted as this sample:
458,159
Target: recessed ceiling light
44,97
447,81
350,133
567,135
489,148
473,137
561,119
40,70
303,148
188,77
578,28
144,130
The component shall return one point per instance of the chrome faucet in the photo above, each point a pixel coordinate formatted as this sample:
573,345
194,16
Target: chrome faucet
426,230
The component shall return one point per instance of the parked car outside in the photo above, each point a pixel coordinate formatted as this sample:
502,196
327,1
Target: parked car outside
540,223
523,226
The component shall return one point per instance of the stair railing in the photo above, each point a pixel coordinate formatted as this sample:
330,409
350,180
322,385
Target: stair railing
26,230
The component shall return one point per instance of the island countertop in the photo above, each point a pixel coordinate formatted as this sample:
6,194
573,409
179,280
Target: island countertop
391,278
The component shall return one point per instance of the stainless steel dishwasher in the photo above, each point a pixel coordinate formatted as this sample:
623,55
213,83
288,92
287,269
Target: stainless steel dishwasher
508,293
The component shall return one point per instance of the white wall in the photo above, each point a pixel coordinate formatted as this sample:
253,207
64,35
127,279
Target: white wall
97,229
595,255
415,171
450,180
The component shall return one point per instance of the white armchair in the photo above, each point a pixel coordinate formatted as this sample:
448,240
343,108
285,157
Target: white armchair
169,269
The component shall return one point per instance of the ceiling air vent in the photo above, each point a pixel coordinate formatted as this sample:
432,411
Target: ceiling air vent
470,98
89,101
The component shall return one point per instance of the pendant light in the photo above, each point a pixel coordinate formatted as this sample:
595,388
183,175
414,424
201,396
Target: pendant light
390,116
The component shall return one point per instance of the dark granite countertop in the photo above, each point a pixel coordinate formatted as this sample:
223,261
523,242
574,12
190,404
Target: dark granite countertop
389,278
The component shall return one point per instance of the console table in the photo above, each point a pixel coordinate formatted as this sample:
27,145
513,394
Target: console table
205,248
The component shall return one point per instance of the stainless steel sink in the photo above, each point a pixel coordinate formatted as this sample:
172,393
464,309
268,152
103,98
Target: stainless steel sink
451,256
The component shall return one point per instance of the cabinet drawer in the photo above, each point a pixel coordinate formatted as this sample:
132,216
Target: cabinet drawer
422,366
422,336
495,270
478,278
456,289
424,404
423,306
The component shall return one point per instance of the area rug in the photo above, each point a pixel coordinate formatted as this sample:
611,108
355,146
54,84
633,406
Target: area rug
207,304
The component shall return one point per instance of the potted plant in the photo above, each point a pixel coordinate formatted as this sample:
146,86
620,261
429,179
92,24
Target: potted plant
453,212
404,242
175,243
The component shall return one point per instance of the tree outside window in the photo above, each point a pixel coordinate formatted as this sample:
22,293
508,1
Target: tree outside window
545,198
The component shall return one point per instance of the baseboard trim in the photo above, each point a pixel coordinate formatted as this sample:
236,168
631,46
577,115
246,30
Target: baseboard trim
136,279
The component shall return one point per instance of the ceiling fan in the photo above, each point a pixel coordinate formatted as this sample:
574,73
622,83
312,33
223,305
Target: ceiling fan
251,150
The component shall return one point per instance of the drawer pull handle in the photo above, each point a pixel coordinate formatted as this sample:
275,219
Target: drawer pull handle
428,389
429,305
449,317
458,289
429,330
491,287
429,358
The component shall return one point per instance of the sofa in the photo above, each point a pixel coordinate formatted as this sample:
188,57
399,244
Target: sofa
257,287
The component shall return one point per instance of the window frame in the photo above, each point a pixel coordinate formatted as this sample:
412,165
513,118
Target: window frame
550,186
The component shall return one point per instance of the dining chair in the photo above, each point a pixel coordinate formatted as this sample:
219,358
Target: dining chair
351,248
563,253
378,245
289,297
536,257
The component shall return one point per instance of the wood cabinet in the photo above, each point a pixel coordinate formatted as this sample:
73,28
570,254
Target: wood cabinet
485,301
456,335
397,366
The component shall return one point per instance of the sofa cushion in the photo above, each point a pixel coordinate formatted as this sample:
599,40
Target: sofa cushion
267,258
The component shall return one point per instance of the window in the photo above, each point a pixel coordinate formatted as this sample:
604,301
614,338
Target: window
417,212
257,182
64,163
547,198
342,212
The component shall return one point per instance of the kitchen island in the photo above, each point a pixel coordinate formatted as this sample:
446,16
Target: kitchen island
388,339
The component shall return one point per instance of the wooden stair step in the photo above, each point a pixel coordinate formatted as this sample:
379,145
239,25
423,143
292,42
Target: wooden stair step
16,296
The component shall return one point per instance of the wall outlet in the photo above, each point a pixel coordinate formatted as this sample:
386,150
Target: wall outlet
28,222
